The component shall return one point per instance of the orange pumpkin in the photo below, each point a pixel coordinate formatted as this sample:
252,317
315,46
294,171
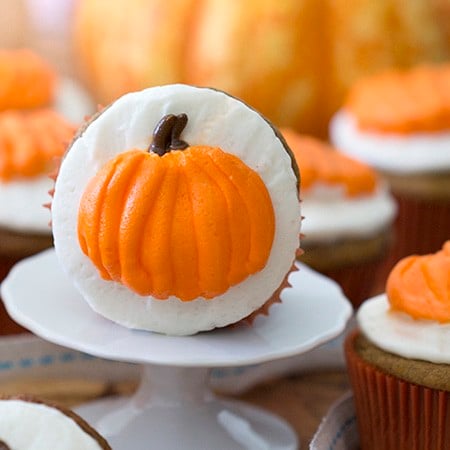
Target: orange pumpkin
420,286
319,162
403,101
30,141
203,207
27,81
293,60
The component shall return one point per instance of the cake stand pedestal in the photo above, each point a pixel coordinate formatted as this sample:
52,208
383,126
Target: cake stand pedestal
173,407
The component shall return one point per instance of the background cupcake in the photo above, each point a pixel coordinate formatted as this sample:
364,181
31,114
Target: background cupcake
348,214
29,422
399,123
399,360
38,113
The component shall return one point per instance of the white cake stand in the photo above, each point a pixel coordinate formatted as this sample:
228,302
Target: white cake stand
173,408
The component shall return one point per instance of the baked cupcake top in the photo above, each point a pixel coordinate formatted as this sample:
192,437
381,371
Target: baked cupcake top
38,111
413,318
29,423
177,210
341,197
398,120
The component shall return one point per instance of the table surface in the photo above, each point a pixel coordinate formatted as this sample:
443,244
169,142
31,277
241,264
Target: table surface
302,400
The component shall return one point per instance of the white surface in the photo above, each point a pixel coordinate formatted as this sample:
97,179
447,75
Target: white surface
38,295
331,215
397,153
214,119
399,333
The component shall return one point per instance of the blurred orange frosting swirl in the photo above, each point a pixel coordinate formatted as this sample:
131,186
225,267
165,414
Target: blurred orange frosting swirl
403,101
30,141
420,286
321,163
26,80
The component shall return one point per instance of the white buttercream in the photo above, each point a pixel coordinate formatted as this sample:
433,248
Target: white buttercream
22,200
72,101
331,215
21,205
396,153
33,426
215,119
399,333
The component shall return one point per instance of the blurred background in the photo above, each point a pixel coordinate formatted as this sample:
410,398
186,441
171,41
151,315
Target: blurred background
292,59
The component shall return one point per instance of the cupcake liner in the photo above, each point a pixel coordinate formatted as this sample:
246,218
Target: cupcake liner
421,228
358,282
7,325
393,414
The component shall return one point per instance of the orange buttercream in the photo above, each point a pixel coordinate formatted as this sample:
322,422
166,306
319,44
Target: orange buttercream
420,286
321,163
26,80
190,223
30,140
415,100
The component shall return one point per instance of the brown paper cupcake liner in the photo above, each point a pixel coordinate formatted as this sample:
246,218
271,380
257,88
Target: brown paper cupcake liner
359,282
393,414
353,263
7,325
421,228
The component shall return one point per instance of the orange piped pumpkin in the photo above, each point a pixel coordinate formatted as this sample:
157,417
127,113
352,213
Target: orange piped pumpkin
420,286
203,207
30,141
403,101
27,81
319,162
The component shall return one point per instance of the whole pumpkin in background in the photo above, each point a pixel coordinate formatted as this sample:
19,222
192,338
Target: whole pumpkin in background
291,59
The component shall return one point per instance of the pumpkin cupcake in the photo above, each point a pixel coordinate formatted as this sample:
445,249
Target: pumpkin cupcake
348,214
176,210
398,360
30,423
399,123
34,132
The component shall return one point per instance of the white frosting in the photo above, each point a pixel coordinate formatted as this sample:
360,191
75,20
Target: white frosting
399,333
215,119
72,101
22,200
396,153
21,205
31,426
330,215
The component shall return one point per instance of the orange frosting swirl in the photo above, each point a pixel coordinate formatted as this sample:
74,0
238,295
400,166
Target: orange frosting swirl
26,80
420,286
395,101
190,223
30,141
321,163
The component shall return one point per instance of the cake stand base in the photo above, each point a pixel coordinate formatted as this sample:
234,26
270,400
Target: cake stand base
174,408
